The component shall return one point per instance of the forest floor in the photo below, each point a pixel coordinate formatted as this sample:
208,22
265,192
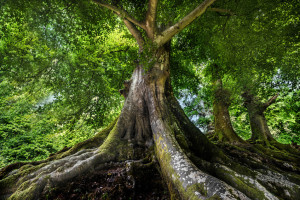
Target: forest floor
113,183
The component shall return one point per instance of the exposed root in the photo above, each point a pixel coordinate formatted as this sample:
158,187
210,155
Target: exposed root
54,173
259,157
245,169
260,182
181,174
251,178
93,142
31,182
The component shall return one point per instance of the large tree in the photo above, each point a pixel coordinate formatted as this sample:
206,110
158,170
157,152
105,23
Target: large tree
193,167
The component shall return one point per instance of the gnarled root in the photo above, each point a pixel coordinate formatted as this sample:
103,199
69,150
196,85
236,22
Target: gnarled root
29,181
196,176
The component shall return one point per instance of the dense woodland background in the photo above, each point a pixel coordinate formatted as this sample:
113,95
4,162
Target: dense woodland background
62,66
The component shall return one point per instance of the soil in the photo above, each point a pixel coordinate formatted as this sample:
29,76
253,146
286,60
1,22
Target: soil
113,183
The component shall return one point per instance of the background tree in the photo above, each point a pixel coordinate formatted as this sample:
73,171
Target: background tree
251,61
259,127
223,128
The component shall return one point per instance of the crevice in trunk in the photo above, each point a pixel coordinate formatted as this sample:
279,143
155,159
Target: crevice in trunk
134,124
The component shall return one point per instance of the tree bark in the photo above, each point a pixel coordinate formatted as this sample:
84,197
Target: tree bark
258,122
224,131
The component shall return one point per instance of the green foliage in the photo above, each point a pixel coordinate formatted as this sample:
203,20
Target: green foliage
32,128
22,133
83,58
256,49
283,117
240,119
198,106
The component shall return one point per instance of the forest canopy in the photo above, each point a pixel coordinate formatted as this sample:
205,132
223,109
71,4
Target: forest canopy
69,69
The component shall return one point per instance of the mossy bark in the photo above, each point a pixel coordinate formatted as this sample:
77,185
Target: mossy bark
223,127
259,127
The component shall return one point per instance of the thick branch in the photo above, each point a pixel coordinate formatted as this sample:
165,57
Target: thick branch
120,12
135,32
220,10
167,34
151,17
270,101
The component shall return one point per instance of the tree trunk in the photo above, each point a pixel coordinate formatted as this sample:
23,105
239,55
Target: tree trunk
193,167
258,122
223,128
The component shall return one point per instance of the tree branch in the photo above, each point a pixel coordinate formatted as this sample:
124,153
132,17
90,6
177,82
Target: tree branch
220,10
270,101
120,12
129,21
135,32
151,17
167,34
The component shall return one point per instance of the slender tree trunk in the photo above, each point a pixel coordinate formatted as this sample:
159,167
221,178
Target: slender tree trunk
259,127
258,122
223,127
